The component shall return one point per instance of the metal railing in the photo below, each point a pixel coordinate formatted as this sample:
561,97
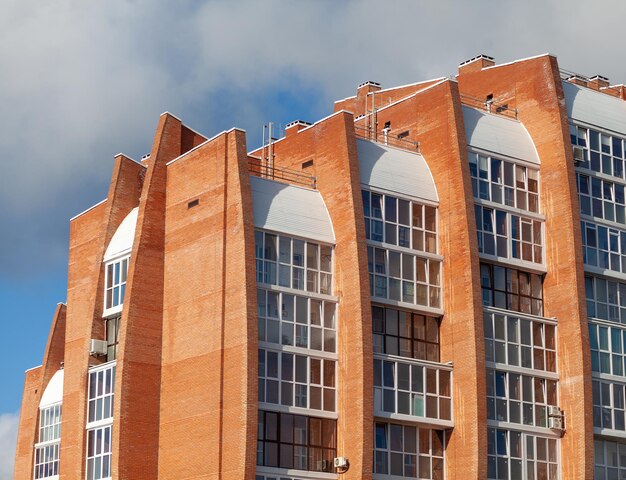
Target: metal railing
386,137
489,106
259,168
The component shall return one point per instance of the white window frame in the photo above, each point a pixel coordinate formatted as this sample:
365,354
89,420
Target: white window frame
48,443
524,458
115,288
98,457
414,392
282,380
314,279
520,168
387,451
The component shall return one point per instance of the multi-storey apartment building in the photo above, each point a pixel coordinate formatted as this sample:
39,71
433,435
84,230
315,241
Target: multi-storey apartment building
428,283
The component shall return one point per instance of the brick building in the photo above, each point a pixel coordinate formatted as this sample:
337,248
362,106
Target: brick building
428,283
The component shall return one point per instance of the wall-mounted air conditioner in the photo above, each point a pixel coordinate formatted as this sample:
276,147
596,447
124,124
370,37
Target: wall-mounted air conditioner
97,347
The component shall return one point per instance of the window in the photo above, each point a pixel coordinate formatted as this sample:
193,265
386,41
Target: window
296,380
511,289
507,235
404,277
406,334
50,424
607,349
99,453
408,388
101,383
113,336
47,460
520,342
408,451
296,442
293,320
400,222
47,448
505,183
516,398
601,199
608,405
606,299
609,460
517,455
115,281
604,247
603,153
293,263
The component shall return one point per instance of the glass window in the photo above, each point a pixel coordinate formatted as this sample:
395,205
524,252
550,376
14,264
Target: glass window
407,388
511,289
520,342
115,282
294,320
609,459
518,455
400,222
99,453
47,448
517,398
604,247
602,153
296,442
505,183
507,235
406,334
112,326
408,451
293,263
297,380
404,277
100,393
608,405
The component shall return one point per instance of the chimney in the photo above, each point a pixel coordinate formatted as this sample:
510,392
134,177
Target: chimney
367,87
597,82
578,80
294,127
476,64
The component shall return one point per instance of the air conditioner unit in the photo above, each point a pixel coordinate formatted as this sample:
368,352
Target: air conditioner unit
555,423
341,462
579,154
554,411
97,347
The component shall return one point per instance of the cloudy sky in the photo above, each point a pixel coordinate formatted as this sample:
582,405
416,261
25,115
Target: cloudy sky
83,80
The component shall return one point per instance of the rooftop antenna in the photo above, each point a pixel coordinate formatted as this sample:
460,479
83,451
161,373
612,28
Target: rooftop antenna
267,162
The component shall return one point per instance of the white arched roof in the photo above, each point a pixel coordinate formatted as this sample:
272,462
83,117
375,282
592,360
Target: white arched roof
122,240
498,134
54,390
395,170
595,108
290,209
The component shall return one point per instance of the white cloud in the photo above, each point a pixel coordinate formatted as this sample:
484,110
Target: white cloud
81,81
8,437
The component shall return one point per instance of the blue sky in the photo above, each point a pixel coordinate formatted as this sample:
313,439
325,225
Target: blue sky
82,81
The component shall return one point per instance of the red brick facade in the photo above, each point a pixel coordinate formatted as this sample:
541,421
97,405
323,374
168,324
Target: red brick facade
185,404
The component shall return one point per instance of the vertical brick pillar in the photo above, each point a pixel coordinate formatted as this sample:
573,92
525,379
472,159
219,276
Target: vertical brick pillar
90,234
208,415
534,87
35,383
